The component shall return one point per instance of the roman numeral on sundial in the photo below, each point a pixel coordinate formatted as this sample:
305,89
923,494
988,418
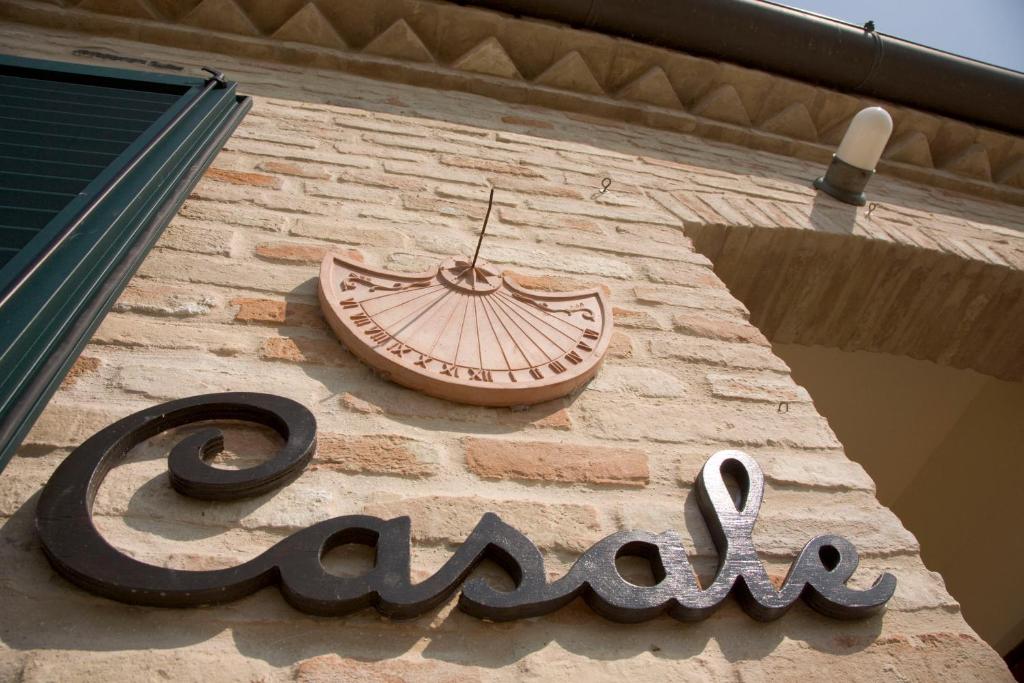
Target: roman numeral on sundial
480,375
377,334
399,349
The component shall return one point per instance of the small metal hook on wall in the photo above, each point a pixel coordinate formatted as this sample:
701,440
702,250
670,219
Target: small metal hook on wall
605,184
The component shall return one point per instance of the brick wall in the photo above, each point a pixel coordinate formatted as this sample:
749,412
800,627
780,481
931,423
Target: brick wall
397,176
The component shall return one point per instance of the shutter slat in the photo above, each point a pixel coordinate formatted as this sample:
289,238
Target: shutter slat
65,89
25,216
20,165
14,237
79,108
59,140
55,154
35,199
104,105
55,138
128,100
39,114
16,124
36,181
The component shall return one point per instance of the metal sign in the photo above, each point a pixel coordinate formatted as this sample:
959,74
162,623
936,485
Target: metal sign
80,554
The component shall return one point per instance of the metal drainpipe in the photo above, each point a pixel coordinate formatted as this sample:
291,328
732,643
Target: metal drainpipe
801,45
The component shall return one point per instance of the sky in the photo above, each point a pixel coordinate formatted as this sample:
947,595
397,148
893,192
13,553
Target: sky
988,30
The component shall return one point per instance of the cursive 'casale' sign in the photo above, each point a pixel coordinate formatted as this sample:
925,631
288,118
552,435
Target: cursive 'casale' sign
80,554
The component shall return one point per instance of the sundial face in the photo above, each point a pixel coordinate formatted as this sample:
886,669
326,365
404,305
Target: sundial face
466,333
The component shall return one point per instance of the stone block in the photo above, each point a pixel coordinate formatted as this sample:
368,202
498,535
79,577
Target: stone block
557,461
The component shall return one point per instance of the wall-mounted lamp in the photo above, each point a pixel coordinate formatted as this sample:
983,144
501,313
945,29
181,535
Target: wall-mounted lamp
854,162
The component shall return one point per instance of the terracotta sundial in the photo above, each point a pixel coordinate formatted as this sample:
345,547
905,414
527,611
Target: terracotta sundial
465,332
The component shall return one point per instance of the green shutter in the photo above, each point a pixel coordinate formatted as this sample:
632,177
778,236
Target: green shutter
94,163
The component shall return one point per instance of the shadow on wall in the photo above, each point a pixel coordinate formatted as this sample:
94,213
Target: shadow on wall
831,215
828,288
946,449
264,627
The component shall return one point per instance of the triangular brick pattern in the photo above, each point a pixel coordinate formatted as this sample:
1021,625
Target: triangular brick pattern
793,122
717,92
910,147
138,9
972,161
653,87
399,41
1012,174
221,15
723,104
488,58
570,73
309,25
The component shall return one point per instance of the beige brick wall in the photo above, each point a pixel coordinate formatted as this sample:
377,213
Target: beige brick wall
398,176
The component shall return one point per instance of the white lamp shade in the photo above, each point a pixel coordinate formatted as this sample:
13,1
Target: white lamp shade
865,138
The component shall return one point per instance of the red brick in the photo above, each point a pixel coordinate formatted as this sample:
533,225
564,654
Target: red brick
621,345
243,178
718,299
358,405
331,668
302,350
624,317
556,461
259,310
378,454
84,365
272,311
385,180
718,352
686,275
292,168
517,216
450,519
697,325
507,186
489,166
552,283
560,419
765,388
945,639
285,252
471,210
